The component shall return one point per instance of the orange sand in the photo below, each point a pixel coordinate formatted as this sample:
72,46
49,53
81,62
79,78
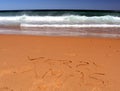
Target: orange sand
34,63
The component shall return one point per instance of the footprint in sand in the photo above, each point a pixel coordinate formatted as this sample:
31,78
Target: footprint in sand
6,89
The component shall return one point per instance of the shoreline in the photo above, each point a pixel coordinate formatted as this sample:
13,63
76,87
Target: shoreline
110,32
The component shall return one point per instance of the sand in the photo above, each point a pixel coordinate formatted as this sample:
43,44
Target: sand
39,63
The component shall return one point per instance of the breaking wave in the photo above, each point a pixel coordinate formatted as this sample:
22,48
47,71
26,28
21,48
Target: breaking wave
65,20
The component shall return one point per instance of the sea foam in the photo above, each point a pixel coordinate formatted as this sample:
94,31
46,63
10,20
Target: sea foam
66,20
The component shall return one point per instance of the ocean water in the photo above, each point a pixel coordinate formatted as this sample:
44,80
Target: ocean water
66,23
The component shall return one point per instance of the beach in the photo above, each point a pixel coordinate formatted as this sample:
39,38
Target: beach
59,50
59,63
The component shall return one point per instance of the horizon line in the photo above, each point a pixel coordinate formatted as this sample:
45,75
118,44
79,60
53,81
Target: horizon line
15,10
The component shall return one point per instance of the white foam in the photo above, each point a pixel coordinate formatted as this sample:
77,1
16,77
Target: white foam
72,26
67,19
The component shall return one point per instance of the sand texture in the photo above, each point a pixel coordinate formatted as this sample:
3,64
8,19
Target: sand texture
38,63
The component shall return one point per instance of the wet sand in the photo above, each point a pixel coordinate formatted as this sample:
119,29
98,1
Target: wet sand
106,32
39,63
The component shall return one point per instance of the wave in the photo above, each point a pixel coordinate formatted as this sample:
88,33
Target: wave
73,20
72,26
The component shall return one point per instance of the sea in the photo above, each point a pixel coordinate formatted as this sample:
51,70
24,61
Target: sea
91,23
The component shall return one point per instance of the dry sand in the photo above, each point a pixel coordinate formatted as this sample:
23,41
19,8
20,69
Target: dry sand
36,63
